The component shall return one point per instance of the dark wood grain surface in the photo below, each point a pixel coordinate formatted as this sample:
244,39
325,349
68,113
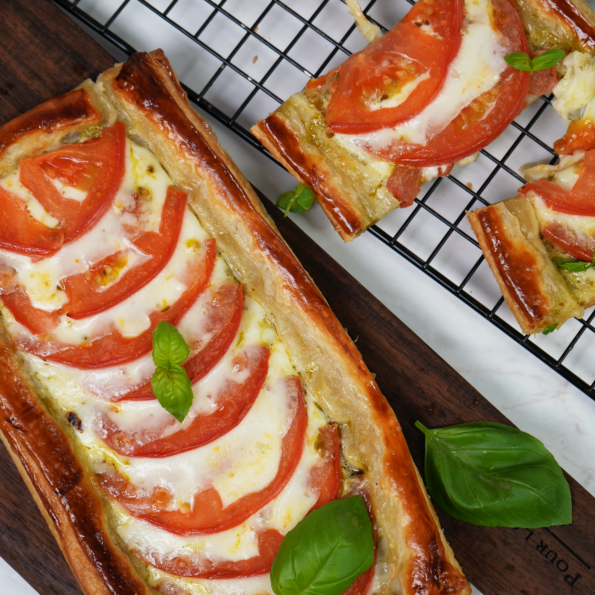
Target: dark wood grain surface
43,54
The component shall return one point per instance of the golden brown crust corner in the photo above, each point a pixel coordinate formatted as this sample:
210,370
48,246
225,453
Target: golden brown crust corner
285,146
40,128
420,560
508,234
564,24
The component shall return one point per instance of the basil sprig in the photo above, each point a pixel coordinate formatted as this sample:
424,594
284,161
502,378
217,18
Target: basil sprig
521,61
493,475
296,201
549,329
170,382
574,266
326,552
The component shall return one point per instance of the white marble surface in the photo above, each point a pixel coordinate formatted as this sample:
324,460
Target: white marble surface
529,393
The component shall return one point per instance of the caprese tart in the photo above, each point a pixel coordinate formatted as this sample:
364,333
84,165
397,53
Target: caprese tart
417,101
174,389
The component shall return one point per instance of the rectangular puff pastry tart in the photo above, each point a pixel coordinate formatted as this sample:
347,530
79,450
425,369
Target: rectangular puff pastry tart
417,101
121,210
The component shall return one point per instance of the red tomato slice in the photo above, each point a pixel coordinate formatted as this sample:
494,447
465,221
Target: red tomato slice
234,401
404,184
424,43
37,321
579,247
579,201
86,293
112,348
207,514
95,166
362,583
223,315
22,234
484,119
269,541
542,82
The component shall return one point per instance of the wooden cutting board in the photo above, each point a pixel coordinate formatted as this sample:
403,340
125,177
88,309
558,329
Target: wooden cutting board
43,54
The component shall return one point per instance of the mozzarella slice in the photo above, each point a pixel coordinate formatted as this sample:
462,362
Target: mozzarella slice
475,70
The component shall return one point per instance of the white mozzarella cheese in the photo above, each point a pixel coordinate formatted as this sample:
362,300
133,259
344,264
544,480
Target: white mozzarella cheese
239,543
577,87
475,70
12,184
41,278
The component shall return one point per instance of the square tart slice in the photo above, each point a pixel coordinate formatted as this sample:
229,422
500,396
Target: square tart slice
354,160
534,241
113,491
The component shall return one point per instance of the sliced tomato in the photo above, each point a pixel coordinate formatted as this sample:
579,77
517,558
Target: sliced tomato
112,348
580,136
542,82
233,401
37,321
578,201
565,240
326,478
483,120
362,583
207,513
86,292
404,184
21,233
223,314
95,167
421,46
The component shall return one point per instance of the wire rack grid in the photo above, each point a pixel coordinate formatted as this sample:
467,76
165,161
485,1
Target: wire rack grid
265,50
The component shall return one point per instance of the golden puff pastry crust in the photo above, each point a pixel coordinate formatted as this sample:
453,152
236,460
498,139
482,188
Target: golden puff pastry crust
415,557
352,187
537,293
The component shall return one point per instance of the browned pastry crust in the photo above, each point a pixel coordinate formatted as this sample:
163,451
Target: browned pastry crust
415,555
352,194
534,289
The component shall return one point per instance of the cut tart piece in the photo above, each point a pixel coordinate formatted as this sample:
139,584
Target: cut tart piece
284,415
423,98
540,244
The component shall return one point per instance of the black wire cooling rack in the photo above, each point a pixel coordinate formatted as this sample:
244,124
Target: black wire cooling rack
253,54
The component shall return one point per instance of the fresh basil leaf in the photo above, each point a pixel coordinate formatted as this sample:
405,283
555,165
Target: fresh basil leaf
574,266
298,201
173,390
305,199
493,475
547,59
169,347
549,329
286,200
519,60
326,552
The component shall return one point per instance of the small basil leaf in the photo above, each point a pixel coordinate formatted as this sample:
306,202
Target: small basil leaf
285,201
493,475
547,59
574,266
305,199
298,201
549,329
173,390
326,552
519,60
169,347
